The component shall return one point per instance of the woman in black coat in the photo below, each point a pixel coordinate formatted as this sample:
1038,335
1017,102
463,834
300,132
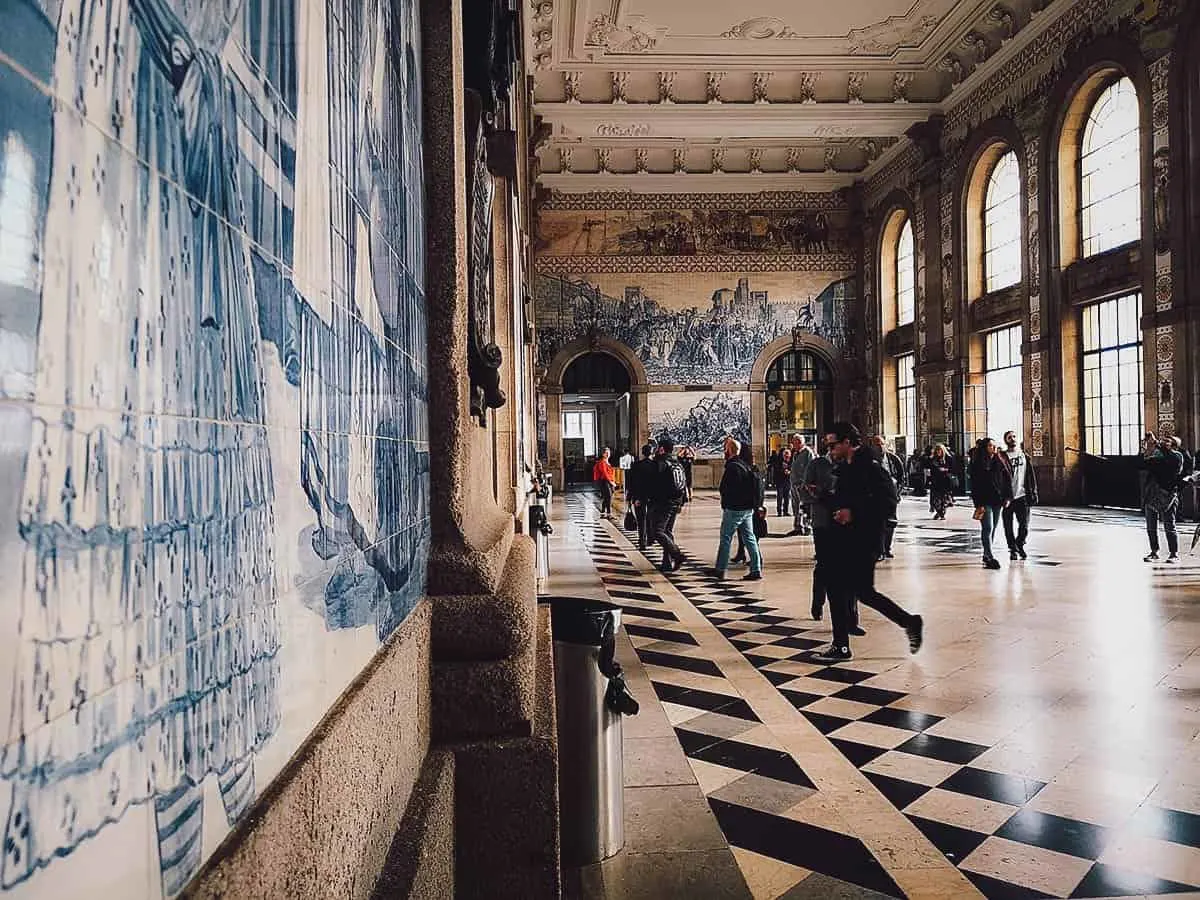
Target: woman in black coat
991,491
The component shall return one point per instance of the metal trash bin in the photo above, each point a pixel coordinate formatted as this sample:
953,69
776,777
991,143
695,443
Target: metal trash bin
541,529
591,697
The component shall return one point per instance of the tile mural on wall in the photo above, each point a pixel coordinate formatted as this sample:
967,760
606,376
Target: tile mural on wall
689,232
692,328
213,447
700,419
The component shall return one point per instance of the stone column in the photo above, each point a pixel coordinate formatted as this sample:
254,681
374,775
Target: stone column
492,681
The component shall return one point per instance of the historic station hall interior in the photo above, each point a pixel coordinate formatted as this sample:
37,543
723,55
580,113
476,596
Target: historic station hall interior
599,449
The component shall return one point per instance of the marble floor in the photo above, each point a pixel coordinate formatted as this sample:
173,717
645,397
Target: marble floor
1042,744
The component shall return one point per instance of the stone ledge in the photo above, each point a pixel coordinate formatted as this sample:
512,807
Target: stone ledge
506,802
482,699
420,864
490,626
457,566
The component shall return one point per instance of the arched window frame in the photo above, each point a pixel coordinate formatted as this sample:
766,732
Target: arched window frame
1002,244
1110,165
1000,143
904,299
1068,200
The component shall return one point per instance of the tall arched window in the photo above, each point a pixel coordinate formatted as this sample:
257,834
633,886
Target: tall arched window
1002,224
906,275
1110,202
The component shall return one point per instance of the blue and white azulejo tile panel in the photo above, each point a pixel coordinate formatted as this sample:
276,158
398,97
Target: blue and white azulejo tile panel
213,432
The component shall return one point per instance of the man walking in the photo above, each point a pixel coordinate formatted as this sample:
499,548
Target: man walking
1163,466
638,491
895,469
739,499
1025,497
668,491
863,499
801,457
820,491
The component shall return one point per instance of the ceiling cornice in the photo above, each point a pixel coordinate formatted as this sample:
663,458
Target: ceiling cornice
735,120
718,183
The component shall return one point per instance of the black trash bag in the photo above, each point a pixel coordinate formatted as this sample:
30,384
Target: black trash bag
618,697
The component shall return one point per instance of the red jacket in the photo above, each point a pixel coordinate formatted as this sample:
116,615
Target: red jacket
603,471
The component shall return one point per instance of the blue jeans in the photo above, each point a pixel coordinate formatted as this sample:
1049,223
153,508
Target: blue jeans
740,521
987,528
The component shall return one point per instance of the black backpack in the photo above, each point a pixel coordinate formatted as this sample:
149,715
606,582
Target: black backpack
678,484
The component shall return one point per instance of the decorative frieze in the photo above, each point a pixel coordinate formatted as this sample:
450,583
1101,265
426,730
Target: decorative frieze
1033,237
1036,423
1164,351
1160,75
831,201
779,262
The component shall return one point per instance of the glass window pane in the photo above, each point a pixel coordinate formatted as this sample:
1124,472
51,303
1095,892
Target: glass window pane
1110,171
1002,224
1112,375
906,276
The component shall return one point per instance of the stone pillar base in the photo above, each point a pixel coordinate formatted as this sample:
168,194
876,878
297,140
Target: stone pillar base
506,802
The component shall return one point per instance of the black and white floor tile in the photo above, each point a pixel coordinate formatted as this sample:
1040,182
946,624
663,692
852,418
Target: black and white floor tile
1004,832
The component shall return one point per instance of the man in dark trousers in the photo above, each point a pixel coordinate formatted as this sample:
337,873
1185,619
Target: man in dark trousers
864,498
638,490
668,492
820,492
1025,497
892,465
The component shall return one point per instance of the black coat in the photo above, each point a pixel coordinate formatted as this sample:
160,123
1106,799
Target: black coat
739,486
639,483
991,481
869,493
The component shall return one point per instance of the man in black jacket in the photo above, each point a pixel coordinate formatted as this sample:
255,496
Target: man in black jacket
739,498
667,494
638,488
1161,495
864,498
892,465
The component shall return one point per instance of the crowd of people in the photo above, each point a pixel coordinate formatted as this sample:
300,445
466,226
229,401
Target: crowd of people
846,495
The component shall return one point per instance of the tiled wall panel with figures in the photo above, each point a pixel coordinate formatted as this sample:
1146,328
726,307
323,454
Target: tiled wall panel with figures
213,438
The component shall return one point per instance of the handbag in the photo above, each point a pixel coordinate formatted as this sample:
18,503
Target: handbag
980,512
760,523
630,520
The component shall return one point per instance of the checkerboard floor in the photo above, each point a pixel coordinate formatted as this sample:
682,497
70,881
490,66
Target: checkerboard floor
1009,833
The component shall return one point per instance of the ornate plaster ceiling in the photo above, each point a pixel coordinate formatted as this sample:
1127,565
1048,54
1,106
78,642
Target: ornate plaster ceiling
703,95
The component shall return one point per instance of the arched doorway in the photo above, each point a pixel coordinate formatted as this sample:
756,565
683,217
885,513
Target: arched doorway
597,375
596,412
798,397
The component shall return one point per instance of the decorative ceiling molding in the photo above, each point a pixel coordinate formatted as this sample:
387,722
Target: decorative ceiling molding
884,38
715,182
761,28
815,201
834,261
785,90
740,120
